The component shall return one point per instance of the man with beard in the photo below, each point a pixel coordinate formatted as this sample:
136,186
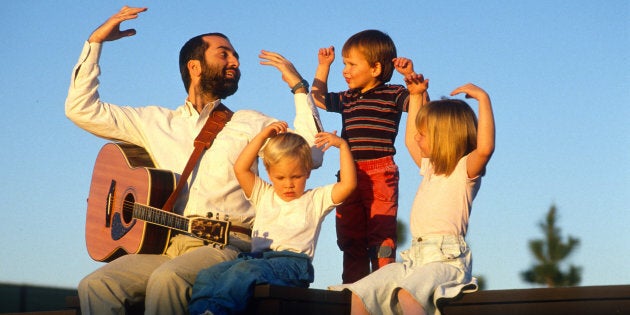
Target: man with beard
209,67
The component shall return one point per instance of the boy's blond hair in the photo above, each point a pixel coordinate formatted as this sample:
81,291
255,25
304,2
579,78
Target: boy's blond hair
287,145
375,46
451,127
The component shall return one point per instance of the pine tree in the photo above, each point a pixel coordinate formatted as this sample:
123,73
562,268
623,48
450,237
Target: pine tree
549,253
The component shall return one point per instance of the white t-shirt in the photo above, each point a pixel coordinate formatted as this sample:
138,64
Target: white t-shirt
292,225
443,203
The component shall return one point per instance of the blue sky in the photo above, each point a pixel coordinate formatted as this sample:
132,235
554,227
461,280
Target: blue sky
557,73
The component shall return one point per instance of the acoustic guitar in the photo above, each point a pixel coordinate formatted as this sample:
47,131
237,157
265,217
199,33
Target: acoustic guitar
124,214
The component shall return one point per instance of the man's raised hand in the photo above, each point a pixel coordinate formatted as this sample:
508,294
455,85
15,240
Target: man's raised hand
110,30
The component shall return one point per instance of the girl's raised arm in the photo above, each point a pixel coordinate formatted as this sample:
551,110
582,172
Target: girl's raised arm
417,86
479,158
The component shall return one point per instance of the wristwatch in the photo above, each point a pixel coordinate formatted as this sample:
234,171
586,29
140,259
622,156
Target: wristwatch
301,84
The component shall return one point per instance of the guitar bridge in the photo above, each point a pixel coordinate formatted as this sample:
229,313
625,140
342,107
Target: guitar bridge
109,203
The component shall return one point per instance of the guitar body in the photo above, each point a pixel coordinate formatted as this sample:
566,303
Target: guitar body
123,175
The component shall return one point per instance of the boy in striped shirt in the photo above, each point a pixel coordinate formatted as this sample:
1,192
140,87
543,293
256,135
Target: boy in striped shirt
371,112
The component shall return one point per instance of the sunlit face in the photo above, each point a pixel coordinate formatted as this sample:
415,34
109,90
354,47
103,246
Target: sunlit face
220,69
423,142
358,72
288,178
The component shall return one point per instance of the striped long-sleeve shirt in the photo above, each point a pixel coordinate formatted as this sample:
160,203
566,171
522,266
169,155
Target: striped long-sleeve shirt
370,119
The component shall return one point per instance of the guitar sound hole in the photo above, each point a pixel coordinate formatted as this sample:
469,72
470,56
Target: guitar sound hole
127,209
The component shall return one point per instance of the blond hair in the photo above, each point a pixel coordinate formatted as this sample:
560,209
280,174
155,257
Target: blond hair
287,145
451,127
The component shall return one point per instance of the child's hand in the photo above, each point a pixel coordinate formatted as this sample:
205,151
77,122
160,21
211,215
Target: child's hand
471,91
403,65
326,56
327,140
416,84
274,129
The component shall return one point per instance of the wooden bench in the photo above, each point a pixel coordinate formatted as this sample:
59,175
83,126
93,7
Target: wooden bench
587,300
72,308
600,300
269,299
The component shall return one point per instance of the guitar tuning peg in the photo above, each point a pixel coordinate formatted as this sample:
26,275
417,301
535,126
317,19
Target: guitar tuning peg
209,215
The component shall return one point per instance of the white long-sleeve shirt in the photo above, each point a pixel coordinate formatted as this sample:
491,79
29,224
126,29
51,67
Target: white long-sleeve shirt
168,136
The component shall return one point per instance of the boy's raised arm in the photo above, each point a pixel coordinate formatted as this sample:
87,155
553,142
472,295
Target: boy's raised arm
403,65
325,58
243,164
347,170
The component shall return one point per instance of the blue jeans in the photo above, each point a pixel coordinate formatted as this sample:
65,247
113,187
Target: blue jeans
226,288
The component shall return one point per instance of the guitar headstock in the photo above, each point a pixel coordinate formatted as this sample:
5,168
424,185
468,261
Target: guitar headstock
213,231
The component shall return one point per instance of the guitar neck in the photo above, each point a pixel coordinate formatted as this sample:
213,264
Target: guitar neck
161,217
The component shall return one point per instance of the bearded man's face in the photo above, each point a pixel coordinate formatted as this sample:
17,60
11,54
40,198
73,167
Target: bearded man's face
220,82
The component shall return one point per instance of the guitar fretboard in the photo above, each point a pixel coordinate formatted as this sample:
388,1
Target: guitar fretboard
160,217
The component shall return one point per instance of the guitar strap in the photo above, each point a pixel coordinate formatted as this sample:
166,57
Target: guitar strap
215,123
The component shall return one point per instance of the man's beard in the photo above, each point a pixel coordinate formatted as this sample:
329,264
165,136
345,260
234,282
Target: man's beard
213,81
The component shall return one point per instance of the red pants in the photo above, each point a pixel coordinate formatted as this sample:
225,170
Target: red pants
366,221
